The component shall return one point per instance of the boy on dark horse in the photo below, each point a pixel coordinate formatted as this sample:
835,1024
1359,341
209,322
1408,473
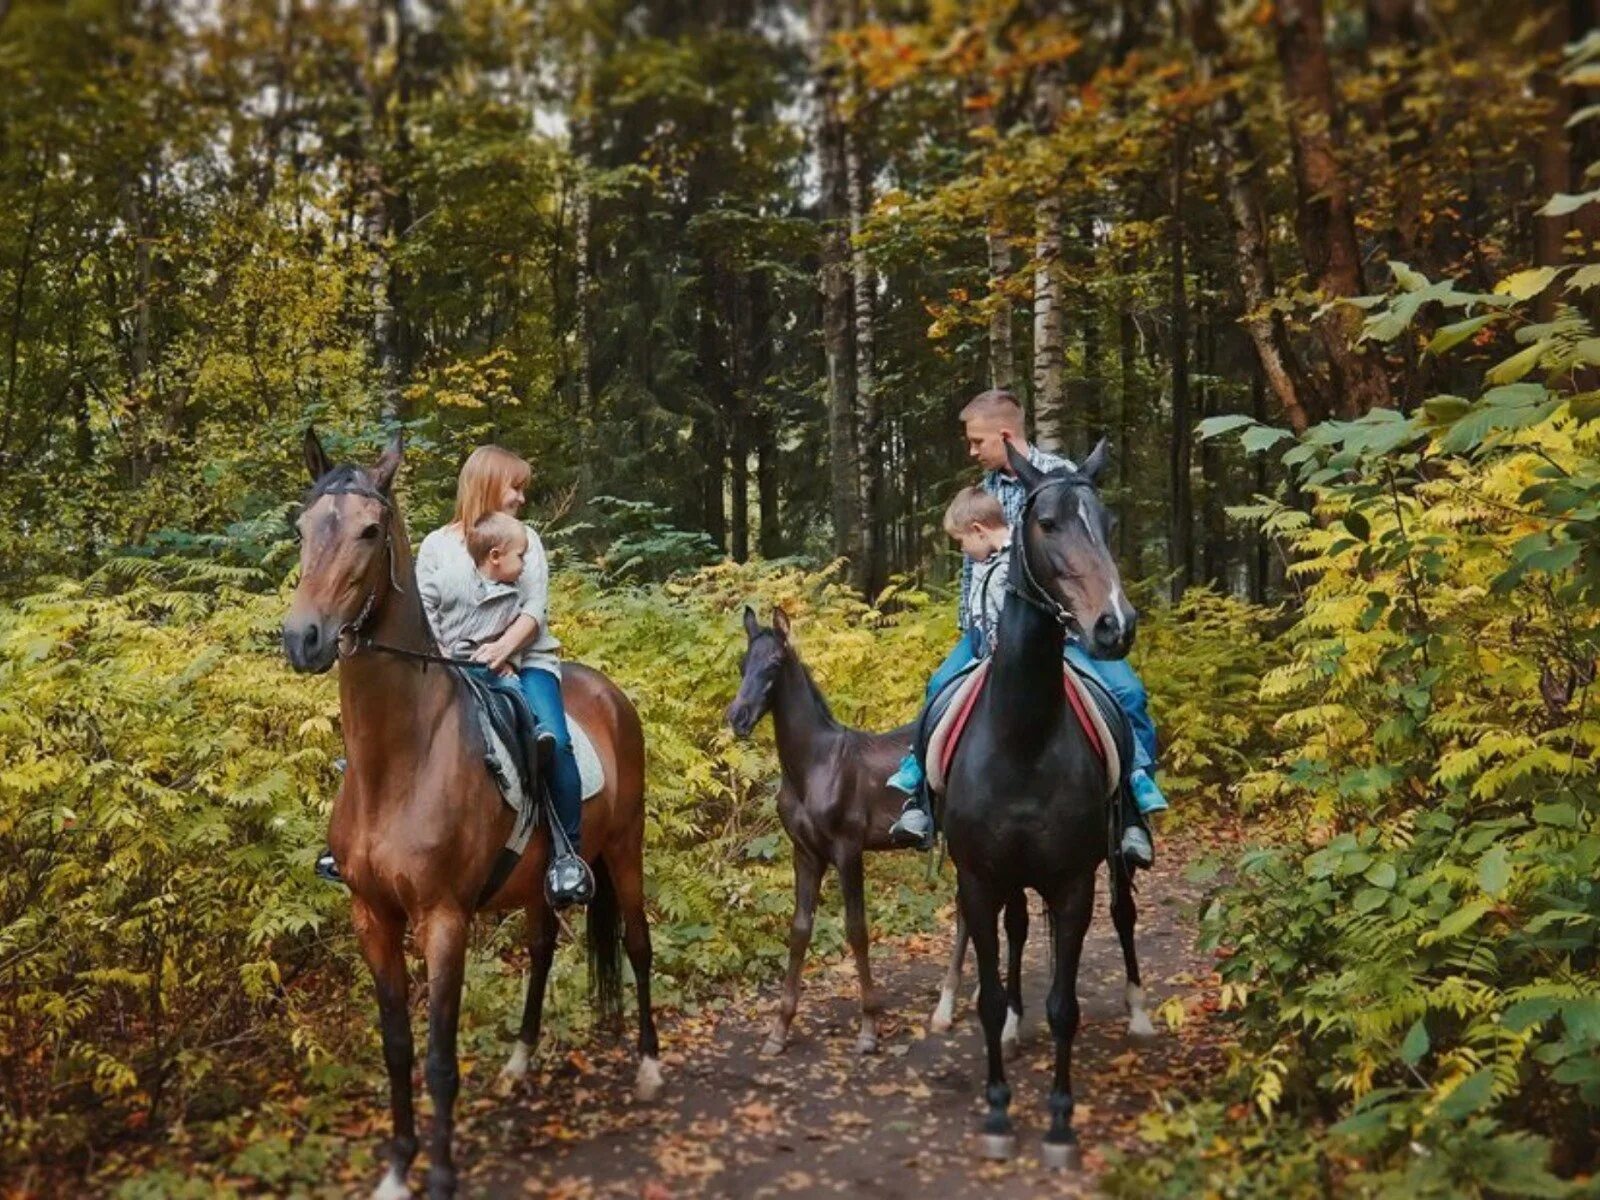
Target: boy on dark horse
991,419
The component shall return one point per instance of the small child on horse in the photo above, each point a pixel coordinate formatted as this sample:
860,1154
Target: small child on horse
992,419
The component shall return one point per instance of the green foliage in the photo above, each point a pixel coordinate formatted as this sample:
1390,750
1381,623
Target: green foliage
1417,975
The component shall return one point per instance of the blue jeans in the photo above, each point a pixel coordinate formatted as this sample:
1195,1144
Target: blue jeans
542,689
1124,684
954,663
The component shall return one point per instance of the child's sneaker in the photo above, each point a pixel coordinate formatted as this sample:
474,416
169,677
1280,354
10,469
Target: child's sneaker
1145,792
908,776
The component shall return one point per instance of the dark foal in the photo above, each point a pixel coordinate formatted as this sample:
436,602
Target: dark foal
418,823
835,803
1025,805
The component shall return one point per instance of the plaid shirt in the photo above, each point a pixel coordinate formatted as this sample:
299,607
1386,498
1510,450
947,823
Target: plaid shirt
1009,490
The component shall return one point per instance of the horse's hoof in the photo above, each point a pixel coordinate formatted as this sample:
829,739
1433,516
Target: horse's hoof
997,1147
1061,1156
1140,1028
773,1046
648,1084
867,1043
393,1187
939,1023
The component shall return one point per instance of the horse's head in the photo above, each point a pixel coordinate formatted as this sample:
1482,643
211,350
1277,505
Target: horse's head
764,657
1065,555
345,534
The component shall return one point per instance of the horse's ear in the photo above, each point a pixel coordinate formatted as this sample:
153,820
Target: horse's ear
780,621
383,471
317,461
1094,466
1024,470
752,626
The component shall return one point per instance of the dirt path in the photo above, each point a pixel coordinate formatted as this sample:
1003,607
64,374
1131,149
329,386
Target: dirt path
821,1121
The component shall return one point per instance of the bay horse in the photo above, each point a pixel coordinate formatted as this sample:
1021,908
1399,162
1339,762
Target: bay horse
1025,802
418,823
835,804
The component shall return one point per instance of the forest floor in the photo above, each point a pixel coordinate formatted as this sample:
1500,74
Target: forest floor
821,1120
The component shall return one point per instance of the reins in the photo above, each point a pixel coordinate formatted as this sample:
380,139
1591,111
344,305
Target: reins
1031,591
353,628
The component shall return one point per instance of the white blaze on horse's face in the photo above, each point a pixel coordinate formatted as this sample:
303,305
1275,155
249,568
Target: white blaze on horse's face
1069,542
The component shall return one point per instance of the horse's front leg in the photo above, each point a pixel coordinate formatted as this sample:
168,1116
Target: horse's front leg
853,884
444,943
808,870
1125,915
382,938
1070,915
983,918
944,1013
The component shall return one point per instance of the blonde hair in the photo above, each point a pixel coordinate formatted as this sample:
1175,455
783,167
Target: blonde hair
973,506
486,474
495,531
995,405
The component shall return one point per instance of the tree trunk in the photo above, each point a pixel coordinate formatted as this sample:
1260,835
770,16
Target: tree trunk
835,281
384,48
1323,219
1049,375
1261,547
868,564
1241,174
771,534
1002,351
1127,399
1553,161
1180,538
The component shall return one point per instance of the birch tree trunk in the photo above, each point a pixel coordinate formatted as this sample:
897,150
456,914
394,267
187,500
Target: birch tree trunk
1180,538
1324,219
378,78
1241,174
1049,372
835,282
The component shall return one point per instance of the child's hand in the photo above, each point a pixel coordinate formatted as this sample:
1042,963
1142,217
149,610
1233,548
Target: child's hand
493,656
505,670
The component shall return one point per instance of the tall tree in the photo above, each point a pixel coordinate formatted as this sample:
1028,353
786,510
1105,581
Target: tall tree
1049,367
1324,218
1241,178
836,282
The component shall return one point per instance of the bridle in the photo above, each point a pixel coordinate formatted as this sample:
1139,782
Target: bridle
1029,589
351,637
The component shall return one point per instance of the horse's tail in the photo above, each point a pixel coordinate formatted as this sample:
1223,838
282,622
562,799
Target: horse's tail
605,949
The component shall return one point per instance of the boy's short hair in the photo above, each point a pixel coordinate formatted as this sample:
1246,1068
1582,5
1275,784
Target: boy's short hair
973,506
997,405
494,531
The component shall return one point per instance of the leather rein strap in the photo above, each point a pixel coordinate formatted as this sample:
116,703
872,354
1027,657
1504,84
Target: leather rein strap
1031,590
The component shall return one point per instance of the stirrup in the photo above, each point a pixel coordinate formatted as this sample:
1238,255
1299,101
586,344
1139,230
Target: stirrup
568,880
327,868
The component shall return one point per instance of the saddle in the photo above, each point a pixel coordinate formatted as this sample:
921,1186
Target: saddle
507,727
1102,719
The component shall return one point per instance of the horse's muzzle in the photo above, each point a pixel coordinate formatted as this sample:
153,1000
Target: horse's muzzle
1112,635
310,647
741,719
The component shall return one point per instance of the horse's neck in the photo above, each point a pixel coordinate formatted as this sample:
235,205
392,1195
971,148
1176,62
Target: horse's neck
1026,671
384,699
800,717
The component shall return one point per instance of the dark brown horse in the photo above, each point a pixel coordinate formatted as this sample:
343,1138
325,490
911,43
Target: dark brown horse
835,803
418,823
1025,804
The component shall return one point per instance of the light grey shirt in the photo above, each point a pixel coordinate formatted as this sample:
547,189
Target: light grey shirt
465,610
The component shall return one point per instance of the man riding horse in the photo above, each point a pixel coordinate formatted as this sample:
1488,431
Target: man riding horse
992,419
